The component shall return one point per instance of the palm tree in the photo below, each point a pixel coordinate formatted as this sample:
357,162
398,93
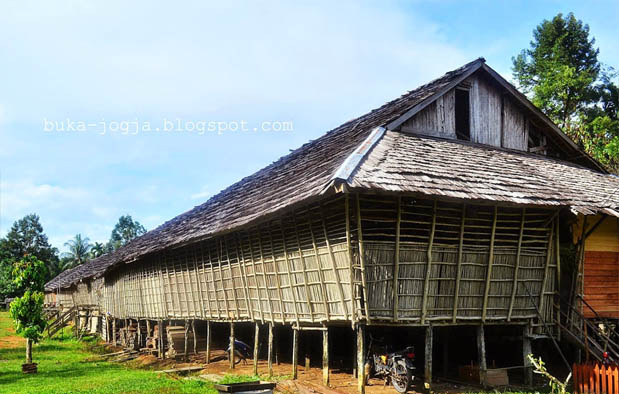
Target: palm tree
79,249
97,249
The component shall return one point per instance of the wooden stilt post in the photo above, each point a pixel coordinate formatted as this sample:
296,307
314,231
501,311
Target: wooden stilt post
526,350
428,356
114,331
295,352
139,344
161,345
325,356
481,353
231,345
270,350
307,360
148,332
195,340
208,341
361,359
256,342
186,350
445,348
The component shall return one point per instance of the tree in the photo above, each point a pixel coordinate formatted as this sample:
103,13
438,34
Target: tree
97,250
26,237
125,230
29,275
79,250
563,77
559,69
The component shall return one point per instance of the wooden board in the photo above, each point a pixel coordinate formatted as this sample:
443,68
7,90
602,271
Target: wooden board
601,283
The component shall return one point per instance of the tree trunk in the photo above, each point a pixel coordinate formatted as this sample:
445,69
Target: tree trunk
28,351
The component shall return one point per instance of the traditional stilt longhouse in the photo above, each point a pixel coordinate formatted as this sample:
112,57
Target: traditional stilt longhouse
450,206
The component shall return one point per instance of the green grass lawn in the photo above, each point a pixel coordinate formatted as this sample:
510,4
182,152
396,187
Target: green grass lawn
66,366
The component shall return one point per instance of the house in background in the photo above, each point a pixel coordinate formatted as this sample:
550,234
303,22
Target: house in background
445,210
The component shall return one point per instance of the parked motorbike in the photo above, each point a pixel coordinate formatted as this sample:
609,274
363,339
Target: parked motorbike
242,352
395,367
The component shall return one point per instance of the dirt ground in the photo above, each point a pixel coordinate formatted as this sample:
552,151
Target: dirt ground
11,341
309,381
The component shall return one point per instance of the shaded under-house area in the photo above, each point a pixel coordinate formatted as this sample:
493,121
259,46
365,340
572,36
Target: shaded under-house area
455,224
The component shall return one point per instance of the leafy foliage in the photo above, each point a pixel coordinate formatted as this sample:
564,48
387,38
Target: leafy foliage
26,237
125,230
562,75
556,386
29,273
27,311
97,250
79,250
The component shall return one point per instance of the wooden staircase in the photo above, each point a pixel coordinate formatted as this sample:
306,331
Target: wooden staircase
61,321
595,336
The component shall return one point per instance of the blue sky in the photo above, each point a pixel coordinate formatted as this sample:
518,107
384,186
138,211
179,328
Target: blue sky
315,64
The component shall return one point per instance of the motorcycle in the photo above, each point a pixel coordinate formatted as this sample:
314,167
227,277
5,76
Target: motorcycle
242,352
395,367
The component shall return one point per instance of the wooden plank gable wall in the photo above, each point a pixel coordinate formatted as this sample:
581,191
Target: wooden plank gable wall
494,119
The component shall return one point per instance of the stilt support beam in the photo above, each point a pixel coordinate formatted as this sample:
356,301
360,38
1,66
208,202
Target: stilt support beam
481,353
256,342
361,359
429,338
325,356
208,341
270,350
231,355
295,353
526,350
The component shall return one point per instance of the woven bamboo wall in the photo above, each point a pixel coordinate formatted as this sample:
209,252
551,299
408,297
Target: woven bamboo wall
292,269
461,242
64,297
306,267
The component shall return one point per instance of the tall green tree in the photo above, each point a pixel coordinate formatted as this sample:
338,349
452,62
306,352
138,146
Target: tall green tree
125,230
562,75
26,237
29,275
97,250
79,250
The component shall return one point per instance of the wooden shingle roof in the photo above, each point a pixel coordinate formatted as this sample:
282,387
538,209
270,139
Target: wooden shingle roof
305,173
402,162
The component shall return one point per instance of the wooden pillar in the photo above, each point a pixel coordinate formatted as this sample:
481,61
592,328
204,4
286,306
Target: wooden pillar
428,356
526,350
445,348
231,345
270,350
148,332
195,340
114,331
361,359
160,339
325,356
208,341
76,321
186,338
256,342
139,337
307,360
481,353
295,352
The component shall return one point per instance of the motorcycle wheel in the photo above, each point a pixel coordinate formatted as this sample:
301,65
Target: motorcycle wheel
401,379
237,357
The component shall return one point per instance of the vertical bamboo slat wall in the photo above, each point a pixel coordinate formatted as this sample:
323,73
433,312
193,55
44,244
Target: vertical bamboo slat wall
292,269
456,263
394,259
